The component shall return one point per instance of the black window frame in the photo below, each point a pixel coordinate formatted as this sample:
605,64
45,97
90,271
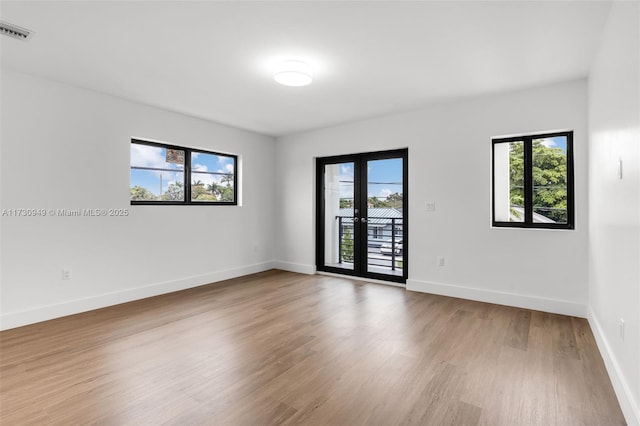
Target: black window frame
187,176
528,182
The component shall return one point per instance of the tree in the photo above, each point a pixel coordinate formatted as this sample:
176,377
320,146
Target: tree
226,194
174,192
221,193
395,200
549,167
377,202
347,246
139,193
227,179
346,203
213,188
199,192
205,197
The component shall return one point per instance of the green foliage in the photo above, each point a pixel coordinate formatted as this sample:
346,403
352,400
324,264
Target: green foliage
377,202
226,194
549,167
174,192
222,192
213,188
200,193
346,203
347,246
139,193
227,180
516,173
205,197
395,200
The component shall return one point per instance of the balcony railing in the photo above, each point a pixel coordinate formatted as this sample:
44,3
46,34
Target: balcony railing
385,249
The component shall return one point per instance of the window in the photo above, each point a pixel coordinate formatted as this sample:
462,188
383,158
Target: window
166,174
533,181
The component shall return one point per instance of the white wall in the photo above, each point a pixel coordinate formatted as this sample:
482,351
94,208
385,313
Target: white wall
614,204
64,147
450,163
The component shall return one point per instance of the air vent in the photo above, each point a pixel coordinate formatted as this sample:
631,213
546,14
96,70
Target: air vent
14,31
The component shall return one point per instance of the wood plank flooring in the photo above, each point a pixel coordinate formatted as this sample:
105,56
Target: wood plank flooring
284,348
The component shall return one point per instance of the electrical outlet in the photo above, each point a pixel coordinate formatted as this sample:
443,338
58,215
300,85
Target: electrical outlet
441,261
66,274
622,328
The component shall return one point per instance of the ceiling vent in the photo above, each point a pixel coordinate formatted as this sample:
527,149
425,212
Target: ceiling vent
14,31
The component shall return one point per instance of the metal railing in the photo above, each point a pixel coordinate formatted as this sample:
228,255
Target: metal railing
385,247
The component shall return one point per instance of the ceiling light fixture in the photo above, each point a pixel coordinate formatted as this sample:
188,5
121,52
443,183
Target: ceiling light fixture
293,73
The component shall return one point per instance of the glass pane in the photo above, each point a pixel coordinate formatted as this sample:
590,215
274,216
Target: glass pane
549,163
154,185
156,173
385,248
508,174
156,157
339,243
212,177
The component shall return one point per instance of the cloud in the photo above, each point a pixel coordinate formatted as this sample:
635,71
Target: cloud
169,178
385,192
151,156
224,160
146,156
205,178
549,143
229,168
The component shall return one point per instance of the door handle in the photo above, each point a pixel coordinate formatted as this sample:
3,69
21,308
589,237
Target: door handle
363,220
355,219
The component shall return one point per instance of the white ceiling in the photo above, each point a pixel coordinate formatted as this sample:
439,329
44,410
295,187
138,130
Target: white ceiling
213,59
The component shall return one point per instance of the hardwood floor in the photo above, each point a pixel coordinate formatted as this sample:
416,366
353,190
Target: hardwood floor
284,348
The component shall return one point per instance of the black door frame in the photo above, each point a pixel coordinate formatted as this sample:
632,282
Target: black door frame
360,203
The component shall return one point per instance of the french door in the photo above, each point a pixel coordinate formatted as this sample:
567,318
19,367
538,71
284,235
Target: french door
362,215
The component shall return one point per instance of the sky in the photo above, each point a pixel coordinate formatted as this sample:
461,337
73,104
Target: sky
384,178
153,156
557,142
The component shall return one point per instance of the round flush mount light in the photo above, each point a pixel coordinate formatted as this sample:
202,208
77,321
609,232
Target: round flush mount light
293,73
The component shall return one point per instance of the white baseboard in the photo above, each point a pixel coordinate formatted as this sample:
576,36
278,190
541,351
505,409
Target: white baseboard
300,268
629,407
44,313
554,306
